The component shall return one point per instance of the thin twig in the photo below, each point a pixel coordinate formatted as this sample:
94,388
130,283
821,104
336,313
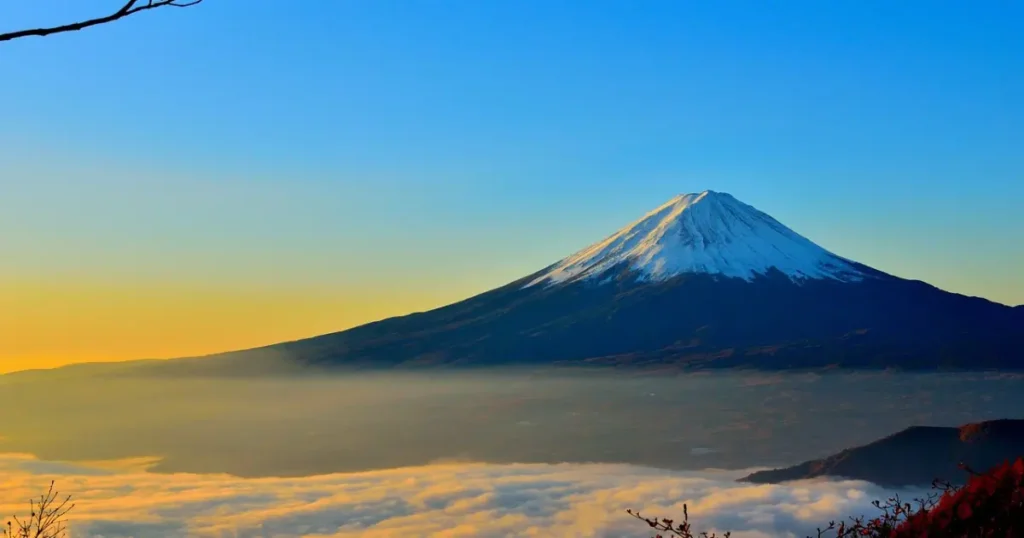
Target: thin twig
130,8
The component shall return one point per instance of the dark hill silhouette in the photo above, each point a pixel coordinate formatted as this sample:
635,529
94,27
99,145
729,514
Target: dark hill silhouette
914,456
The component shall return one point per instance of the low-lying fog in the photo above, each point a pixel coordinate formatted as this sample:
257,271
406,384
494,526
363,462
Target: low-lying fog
290,427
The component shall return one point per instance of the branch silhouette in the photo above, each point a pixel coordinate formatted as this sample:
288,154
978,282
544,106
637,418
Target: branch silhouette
130,8
47,518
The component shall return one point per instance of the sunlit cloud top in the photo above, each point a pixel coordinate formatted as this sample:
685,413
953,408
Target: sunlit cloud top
441,500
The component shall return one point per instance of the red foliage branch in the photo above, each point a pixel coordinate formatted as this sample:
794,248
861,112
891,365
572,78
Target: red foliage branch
989,505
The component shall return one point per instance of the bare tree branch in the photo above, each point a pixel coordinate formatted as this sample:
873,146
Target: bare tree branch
130,8
46,518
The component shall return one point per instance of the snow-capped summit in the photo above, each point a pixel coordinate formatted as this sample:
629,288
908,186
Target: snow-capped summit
708,232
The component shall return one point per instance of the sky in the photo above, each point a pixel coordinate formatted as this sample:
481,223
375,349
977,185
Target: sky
187,181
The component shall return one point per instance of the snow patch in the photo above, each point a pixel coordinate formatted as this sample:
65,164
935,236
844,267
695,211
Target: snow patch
710,233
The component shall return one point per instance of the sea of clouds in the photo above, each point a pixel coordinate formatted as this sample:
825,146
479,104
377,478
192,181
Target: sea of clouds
123,499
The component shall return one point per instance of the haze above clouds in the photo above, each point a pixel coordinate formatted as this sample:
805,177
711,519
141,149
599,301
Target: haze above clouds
300,426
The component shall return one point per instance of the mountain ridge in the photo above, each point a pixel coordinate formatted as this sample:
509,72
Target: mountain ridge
914,456
614,309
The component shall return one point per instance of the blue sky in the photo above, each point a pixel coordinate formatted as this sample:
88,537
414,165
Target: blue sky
457,145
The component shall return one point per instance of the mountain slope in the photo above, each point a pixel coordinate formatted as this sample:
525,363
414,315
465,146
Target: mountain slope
702,281
915,456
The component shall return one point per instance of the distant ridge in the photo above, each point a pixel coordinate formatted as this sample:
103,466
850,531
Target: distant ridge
914,456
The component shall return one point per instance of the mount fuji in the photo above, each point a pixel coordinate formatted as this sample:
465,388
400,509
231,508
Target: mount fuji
703,281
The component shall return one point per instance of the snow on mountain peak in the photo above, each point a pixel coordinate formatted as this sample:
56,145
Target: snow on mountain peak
708,232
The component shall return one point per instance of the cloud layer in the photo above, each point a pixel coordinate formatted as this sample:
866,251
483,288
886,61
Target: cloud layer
446,500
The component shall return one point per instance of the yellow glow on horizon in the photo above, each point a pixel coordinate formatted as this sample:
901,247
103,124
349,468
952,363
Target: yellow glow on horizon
50,324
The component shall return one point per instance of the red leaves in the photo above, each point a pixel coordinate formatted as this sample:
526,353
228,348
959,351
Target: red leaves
964,511
990,505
